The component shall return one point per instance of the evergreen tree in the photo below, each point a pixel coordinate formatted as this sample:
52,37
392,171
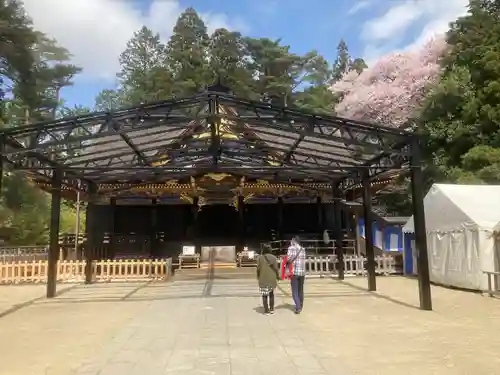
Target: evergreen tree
16,60
461,117
317,96
278,72
358,65
188,54
36,69
144,74
342,62
229,63
110,100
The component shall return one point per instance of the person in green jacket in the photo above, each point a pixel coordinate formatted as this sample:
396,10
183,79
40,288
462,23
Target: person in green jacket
267,274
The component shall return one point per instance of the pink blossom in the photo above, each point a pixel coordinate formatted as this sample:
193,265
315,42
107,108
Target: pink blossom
391,90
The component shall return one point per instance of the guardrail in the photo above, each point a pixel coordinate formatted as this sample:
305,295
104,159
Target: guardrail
313,246
23,253
74,271
327,265
493,282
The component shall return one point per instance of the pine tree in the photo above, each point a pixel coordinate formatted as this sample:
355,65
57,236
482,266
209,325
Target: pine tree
16,59
144,75
278,71
229,63
317,96
342,62
109,100
188,54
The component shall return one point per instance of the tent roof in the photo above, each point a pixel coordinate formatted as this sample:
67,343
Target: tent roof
451,207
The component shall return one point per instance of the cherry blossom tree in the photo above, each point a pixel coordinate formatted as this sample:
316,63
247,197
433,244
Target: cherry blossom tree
389,92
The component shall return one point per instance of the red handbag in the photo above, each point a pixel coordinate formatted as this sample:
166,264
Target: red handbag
286,269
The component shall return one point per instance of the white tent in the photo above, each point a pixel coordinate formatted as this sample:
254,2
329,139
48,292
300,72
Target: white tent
461,222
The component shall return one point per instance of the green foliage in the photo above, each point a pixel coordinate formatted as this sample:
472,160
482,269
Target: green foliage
144,75
187,54
36,69
461,115
228,62
253,68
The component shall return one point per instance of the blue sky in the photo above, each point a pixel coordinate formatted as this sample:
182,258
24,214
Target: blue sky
96,31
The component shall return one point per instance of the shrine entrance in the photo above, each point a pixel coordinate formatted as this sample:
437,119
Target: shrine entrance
216,223
218,229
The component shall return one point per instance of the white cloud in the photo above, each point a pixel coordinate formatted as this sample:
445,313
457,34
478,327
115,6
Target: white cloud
97,31
384,34
359,6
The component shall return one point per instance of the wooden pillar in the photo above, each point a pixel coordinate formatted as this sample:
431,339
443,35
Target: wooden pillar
55,211
90,248
370,253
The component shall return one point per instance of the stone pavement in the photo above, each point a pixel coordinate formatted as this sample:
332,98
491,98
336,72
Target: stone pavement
216,327
14,297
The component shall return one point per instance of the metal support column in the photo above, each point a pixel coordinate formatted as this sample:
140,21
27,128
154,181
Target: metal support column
370,253
417,182
338,233
55,213
90,248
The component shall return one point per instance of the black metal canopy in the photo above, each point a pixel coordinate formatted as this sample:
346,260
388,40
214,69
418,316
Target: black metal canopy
210,132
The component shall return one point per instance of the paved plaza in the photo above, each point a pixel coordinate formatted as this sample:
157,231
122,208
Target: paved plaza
215,326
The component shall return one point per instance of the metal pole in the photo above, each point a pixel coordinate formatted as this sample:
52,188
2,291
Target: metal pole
417,181
55,208
339,233
370,253
77,225
90,248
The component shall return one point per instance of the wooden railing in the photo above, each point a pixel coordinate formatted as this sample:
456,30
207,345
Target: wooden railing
189,261
74,271
23,253
327,265
324,265
313,246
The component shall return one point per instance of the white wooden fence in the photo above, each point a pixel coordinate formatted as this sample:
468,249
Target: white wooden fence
74,271
354,265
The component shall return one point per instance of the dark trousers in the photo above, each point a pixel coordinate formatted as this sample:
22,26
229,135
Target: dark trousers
268,301
297,284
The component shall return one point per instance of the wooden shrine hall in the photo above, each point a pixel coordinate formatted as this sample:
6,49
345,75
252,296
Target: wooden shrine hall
212,169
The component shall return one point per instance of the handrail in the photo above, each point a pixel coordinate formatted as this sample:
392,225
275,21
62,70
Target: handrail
313,247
